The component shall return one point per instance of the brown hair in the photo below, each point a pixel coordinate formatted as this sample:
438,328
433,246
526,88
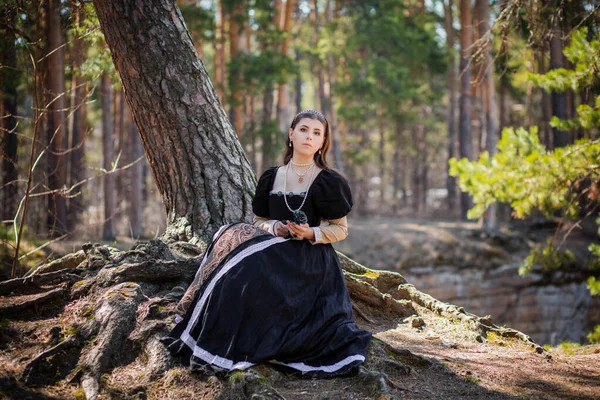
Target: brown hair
320,159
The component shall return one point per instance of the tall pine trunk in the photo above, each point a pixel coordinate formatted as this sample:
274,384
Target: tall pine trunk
558,99
490,105
236,28
451,90
9,78
465,136
79,129
220,83
106,98
57,123
283,91
136,203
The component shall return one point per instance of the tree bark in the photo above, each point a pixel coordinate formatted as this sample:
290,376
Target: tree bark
9,78
465,136
283,93
332,16
57,123
267,134
236,27
451,87
79,130
37,215
121,148
558,99
298,84
199,166
106,99
220,54
136,204
490,105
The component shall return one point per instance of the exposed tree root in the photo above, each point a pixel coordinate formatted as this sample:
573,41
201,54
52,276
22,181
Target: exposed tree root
368,294
361,313
70,261
390,291
250,384
482,325
114,320
407,356
149,271
42,300
71,341
36,281
378,381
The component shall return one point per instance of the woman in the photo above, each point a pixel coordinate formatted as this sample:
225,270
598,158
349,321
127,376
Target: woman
274,291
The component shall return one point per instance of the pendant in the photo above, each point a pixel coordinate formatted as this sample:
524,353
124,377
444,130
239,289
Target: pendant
301,179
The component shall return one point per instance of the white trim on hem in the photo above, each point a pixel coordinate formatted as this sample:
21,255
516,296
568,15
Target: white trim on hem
325,368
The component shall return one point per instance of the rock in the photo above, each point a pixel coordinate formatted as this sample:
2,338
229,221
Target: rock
450,345
479,338
418,322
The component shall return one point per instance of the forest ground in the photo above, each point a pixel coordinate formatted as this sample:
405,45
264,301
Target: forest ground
447,360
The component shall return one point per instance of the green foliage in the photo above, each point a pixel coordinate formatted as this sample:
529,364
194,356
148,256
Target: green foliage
594,285
594,336
527,176
548,257
255,72
584,54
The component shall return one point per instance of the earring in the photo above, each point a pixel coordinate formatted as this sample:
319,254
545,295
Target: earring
290,143
319,151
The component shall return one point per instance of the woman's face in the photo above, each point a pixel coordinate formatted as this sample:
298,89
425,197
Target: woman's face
308,136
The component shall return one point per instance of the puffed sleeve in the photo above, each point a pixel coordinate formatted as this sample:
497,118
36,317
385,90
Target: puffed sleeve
260,203
333,197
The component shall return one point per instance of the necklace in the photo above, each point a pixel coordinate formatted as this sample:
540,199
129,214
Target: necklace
301,165
285,187
301,174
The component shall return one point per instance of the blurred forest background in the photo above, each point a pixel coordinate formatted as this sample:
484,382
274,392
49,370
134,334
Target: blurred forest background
437,107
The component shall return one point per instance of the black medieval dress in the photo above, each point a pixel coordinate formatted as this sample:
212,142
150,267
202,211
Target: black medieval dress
262,298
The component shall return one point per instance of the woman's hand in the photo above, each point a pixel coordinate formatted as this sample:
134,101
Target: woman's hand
301,231
280,229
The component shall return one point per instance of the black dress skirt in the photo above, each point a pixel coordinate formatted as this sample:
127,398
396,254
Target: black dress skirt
261,298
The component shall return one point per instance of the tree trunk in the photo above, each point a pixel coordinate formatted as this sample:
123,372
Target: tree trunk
545,130
283,93
490,104
332,16
136,204
298,85
267,136
465,136
106,99
121,148
37,215
57,123
79,130
9,78
220,54
451,87
559,103
382,181
236,27
199,166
